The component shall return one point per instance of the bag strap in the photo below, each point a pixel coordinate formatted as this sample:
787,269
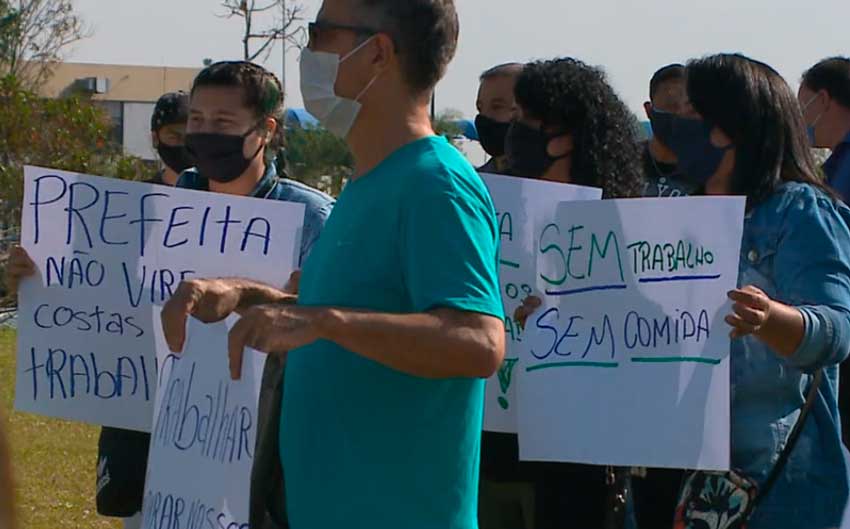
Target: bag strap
773,477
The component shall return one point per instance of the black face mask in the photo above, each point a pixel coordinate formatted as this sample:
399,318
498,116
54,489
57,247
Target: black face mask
662,125
691,142
219,157
492,134
527,149
175,157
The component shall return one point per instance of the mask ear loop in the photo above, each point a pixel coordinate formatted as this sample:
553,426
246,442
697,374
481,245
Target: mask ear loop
262,145
356,49
806,107
366,89
352,52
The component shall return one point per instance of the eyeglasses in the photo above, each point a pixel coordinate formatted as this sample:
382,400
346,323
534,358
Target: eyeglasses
316,28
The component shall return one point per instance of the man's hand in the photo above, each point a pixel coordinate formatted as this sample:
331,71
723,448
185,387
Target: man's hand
19,267
209,300
272,329
294,283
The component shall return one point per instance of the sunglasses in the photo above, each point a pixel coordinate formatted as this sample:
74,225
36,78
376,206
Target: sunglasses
316,29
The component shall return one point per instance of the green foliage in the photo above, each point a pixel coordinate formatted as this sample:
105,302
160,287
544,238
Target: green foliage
318,158
445,123
70,134
322,160
8,29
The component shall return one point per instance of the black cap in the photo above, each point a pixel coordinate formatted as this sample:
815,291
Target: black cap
171,109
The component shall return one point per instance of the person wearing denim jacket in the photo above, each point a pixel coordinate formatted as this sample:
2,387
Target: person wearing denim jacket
791,311
795,249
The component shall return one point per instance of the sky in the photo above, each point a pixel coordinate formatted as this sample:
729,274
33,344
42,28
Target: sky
629,39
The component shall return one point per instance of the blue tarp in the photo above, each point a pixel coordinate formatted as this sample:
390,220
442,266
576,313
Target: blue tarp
300,118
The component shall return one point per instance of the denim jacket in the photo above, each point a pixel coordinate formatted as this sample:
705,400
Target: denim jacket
796,247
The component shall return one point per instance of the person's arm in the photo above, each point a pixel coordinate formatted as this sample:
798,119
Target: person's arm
781,327
19,267
443,343
449,261
811,325
212,300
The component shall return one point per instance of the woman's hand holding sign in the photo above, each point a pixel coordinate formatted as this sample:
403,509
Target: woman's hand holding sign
779,326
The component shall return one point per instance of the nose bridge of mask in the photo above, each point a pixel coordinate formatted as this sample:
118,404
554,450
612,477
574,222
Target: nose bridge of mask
323,68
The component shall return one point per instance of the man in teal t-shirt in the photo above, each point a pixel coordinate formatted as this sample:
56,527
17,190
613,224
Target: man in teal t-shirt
399,318
415,234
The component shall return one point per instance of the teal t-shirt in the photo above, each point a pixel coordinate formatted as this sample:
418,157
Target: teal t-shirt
363,445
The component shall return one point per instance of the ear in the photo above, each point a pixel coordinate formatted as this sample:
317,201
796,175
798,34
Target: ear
385,51
270,129
154,139
823,94
560,146
647,107
720,139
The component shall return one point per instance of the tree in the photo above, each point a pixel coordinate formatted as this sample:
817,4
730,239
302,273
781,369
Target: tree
318,158
284,29
34,35
446,123
70,134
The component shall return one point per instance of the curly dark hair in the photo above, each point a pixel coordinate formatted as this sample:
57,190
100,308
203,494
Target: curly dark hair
570,95
262,92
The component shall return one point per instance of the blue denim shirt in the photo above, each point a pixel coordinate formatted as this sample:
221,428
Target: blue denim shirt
271,187
796,247
837,169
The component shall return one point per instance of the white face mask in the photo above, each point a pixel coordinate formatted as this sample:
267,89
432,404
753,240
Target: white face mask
319,72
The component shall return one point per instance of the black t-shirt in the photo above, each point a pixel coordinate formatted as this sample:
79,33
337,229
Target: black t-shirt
664,180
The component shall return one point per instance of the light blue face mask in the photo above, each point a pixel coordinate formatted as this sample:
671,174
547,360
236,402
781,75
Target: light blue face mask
811,129
319,71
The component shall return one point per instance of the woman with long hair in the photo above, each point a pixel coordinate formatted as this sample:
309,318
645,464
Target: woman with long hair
791,312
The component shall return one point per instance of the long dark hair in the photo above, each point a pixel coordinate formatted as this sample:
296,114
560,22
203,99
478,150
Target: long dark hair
750,102
569,94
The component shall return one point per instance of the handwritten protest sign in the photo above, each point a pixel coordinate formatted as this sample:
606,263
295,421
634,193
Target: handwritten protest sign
520,204
203,436
109,251
629,360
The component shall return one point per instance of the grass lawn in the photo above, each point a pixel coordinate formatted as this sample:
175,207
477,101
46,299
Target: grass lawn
54,461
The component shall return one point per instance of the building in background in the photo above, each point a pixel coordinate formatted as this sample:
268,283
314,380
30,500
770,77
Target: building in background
127,93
